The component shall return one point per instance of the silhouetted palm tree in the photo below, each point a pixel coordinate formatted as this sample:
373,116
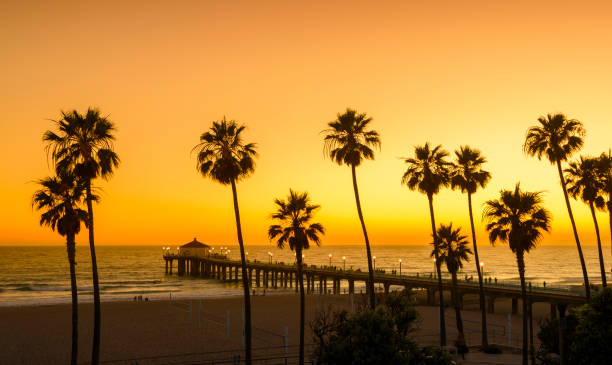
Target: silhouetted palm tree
604,172
294,228
225,158
428,172
557,138
467,177
583,182
453,251
518,218
59,199
348,143
84,144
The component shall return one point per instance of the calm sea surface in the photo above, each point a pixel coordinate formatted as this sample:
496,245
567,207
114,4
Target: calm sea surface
38,275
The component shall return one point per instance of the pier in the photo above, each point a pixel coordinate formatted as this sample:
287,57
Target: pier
328,280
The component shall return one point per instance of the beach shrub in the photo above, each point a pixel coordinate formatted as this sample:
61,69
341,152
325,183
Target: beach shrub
549,336
587,331
590,341
379,336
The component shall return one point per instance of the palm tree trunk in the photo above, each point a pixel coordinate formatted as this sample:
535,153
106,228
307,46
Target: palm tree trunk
302,304
521,268
95,351
483,310
245,280
75,304
367,241
609,204
457,306
601,259
531,347
439,271
571,215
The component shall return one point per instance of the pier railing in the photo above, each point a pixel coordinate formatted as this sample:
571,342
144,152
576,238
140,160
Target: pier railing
316,279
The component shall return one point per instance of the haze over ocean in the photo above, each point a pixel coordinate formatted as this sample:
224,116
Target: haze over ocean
39,275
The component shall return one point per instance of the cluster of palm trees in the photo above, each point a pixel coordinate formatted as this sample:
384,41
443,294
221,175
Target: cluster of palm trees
81,150
517,217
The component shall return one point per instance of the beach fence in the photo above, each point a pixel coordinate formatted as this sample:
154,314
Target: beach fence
266,345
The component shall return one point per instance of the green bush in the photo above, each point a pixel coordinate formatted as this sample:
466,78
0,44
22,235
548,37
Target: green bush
378,336
588,329
590,342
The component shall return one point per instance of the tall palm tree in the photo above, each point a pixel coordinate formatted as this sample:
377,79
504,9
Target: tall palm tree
519,219
225,158
557,138
348,142
84,144
58,200
604,173
294,228
584,183
453,251
468,177
428,172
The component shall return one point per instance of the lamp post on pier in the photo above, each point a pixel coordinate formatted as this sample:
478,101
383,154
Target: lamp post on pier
343,263
374,258
400,264
434,268
330,256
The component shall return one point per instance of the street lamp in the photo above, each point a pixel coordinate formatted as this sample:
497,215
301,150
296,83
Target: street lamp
400,263
270,256
330,256
482,269
434,265
374,262
344,263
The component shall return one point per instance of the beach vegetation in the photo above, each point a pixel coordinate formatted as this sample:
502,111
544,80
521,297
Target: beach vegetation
584,183
379,336
223,156
59,200
83,143
294,228
348,141
519,219
467,177
428,172
604,174
557,138
453,251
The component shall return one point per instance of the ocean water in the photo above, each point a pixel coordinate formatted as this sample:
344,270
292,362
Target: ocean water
39,275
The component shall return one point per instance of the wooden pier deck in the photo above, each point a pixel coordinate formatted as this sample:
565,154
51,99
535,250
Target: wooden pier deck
317,280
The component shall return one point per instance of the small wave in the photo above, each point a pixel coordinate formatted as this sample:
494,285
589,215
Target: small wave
23,288
131,282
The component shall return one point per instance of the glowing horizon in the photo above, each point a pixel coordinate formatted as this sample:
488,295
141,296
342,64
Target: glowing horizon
476,73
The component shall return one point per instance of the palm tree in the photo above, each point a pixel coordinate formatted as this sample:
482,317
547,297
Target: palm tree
557,138
84,143
226,159
59,199
294,228
428,172
453,251
467,177
584,183
347,142
518,218
604,173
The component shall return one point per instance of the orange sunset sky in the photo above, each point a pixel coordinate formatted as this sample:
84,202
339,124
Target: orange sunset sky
448,72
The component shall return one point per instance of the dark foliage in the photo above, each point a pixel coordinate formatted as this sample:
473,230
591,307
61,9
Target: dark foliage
379,336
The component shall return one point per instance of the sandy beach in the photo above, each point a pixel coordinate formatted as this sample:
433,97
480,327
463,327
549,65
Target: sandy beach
155,332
